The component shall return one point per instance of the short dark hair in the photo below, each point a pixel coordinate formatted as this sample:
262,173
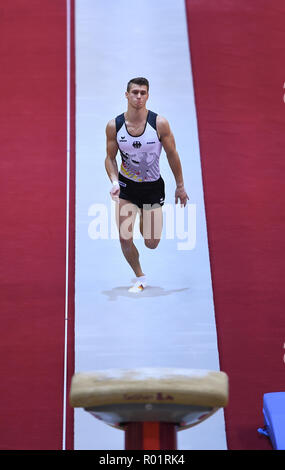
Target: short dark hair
138,81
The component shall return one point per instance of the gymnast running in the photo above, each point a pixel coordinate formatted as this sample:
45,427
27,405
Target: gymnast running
139,134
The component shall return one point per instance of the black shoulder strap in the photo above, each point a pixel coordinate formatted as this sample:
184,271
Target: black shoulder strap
119,122
151,119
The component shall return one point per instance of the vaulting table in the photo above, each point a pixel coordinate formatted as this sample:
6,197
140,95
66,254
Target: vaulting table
150,404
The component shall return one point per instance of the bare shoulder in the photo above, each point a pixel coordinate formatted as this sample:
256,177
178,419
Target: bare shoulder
111,128
162,125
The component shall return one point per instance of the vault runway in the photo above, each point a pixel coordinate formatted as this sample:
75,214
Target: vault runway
172,323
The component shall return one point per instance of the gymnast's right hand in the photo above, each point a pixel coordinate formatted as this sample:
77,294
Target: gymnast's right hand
115,191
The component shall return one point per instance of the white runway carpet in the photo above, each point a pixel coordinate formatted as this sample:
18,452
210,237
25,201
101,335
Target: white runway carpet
172,323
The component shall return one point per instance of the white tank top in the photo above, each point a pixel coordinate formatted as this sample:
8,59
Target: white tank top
140,154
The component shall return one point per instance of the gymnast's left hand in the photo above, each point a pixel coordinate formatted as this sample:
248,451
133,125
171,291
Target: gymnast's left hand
180,194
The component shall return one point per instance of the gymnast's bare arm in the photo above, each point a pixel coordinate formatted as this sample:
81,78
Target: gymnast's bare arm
111,151
168,142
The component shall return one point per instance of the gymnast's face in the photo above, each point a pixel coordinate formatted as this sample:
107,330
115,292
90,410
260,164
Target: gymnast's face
137,96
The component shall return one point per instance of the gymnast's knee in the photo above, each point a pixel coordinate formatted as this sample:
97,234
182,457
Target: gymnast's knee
151,243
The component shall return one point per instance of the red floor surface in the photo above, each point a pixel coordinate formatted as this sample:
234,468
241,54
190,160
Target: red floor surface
237,52
33,224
